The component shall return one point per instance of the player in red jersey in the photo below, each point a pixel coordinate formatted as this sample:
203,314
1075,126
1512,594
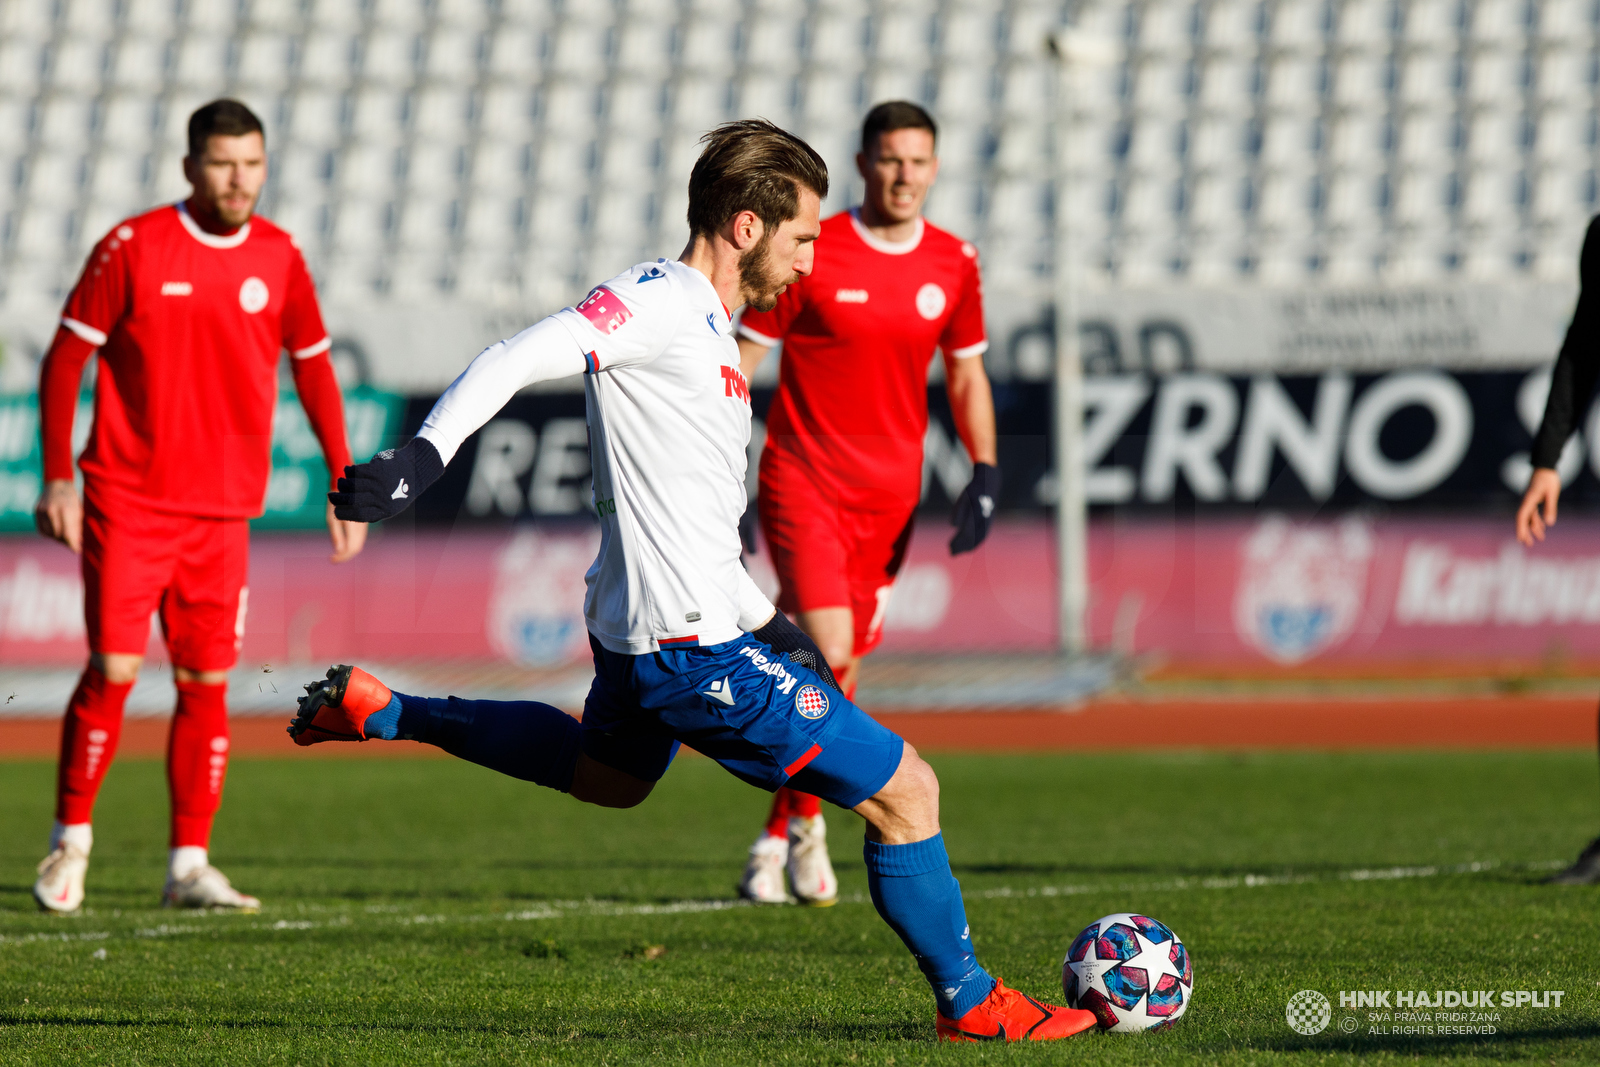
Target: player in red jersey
188,308
841,473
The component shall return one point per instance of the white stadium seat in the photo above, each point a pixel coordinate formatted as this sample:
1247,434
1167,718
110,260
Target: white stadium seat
265,61
316,119
389,56
577,121
78,63
202,63
329,57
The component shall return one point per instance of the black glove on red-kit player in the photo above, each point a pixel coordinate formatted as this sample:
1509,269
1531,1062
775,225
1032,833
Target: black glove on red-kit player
974,508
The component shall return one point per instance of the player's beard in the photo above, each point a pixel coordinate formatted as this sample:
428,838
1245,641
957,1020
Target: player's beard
234,215
755,276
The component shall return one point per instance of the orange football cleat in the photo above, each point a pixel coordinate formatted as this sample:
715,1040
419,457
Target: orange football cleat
1007,1015
336,708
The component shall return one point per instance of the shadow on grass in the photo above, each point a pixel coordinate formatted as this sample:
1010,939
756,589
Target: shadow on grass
918,1031
1169,870
1504,1043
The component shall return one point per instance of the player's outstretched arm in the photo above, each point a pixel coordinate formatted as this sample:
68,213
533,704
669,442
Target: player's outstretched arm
387,484
1538,510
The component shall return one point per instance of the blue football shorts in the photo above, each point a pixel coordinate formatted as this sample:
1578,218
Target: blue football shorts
769,721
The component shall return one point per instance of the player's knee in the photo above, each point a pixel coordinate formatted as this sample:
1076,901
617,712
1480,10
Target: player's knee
184,674
907,807
606,787
614,798
838,651
118,668
920,782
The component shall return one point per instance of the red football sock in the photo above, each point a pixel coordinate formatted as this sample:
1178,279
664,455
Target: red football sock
197,761
88,741
778,818
804,805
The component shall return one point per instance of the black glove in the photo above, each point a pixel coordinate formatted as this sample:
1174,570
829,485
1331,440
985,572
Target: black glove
388,483
975,508
787,639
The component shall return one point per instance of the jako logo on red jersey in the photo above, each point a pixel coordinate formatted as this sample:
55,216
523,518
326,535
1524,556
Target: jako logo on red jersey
734,384
605,310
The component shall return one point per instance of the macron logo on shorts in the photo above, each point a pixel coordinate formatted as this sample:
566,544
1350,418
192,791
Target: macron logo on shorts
722,691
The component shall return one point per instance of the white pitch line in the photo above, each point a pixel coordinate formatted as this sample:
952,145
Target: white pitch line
566,909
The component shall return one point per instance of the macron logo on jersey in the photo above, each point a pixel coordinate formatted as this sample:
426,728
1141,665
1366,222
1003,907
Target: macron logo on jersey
176,289
734,384
603,308
851,296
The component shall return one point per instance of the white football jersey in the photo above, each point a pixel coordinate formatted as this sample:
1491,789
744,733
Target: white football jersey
669,425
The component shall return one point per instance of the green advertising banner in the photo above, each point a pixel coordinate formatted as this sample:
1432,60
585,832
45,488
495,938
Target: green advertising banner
299,479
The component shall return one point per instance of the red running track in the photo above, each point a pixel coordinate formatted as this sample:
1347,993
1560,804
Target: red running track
1491,722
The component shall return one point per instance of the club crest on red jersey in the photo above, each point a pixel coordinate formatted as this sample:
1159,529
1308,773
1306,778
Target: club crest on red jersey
253,295
603,308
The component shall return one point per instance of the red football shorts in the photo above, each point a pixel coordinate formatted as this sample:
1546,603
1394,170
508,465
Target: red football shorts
829,552
191,568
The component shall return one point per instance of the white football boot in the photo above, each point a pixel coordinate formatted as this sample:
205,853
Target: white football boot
763,875
811,874
60,885
206,887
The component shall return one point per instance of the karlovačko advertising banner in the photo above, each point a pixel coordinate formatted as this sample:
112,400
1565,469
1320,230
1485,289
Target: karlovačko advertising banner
1190,443
295,489
1260,590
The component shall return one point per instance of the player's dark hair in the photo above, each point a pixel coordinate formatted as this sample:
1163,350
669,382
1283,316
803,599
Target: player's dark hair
220,118
895,115
752,165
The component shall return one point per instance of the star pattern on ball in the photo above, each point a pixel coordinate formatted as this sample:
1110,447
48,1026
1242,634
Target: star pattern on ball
1131,971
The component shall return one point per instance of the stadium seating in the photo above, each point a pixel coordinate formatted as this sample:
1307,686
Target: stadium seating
507,151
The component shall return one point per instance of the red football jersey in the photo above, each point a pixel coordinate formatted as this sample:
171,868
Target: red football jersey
189,325
858,336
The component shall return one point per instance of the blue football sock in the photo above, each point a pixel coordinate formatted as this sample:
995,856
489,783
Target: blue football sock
523,738
916,894
385,725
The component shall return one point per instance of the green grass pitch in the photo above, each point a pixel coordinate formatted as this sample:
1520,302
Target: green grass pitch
434,912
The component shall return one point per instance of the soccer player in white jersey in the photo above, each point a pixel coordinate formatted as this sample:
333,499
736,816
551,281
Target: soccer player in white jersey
687,650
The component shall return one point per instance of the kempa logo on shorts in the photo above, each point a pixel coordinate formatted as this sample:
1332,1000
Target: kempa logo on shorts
1308,1012
787,681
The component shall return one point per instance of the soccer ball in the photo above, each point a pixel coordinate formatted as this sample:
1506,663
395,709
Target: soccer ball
1131,971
